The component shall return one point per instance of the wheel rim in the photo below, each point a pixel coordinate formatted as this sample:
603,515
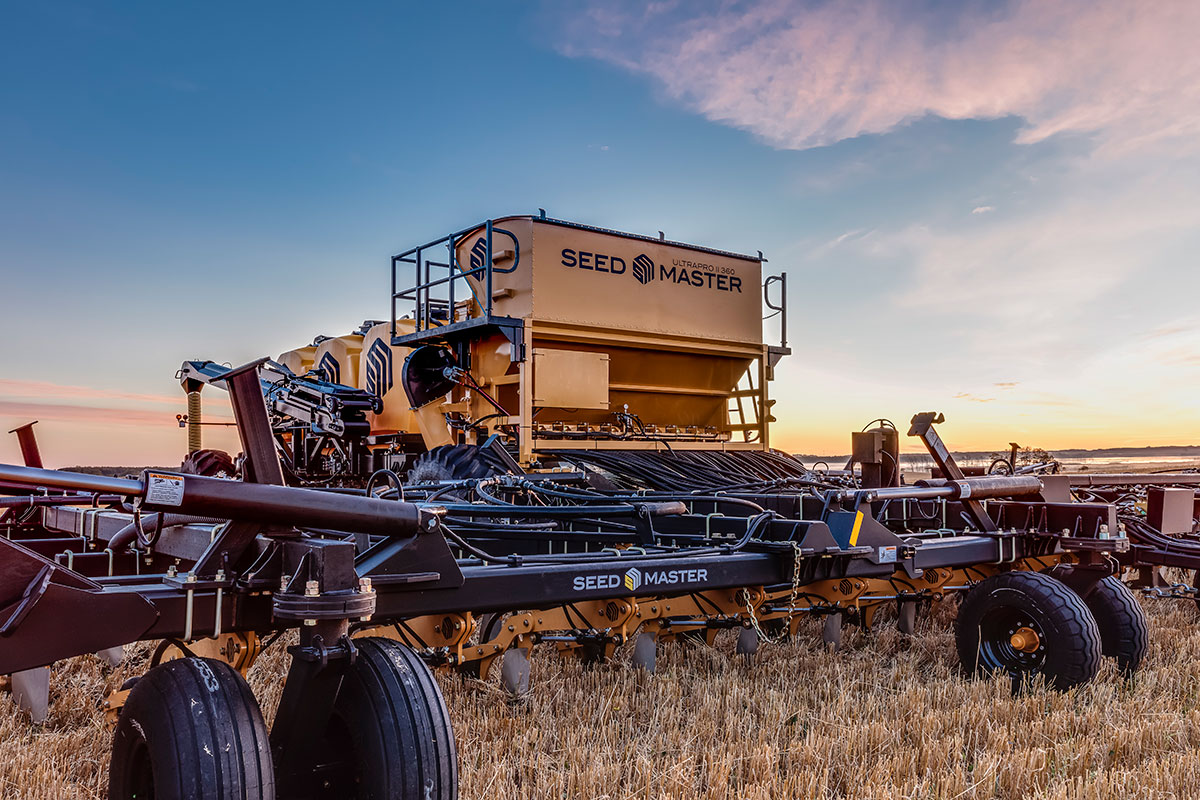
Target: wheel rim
1010,639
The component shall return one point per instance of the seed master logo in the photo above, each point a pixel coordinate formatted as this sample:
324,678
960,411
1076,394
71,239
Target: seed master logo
633,579
680,272
330,368
379,368
643,268
478,253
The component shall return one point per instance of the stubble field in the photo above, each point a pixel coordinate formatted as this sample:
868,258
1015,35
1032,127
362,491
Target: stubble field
888,716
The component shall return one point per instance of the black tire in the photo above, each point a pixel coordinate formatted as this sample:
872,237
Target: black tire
997,609
390,735
455,462
191,730
213,463
1124,632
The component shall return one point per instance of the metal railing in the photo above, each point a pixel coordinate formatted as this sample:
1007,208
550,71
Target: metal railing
433,291
781,309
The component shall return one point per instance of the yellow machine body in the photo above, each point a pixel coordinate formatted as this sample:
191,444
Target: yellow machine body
380,367
299,360
337,358
612,324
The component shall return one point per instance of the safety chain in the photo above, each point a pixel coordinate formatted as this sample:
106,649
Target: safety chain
762,635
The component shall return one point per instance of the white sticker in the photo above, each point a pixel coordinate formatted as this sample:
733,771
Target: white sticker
887,555
964,490
164,490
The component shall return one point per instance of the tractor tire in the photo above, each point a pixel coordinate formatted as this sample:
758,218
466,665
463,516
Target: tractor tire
1124,633
191,730
211,463
389,736
1026,624
455,462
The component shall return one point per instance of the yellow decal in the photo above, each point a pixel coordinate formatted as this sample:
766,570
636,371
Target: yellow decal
858,518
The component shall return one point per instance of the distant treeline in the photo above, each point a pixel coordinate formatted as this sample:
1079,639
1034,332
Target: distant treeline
1164,451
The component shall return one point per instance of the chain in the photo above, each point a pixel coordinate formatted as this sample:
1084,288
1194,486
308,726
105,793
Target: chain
762,635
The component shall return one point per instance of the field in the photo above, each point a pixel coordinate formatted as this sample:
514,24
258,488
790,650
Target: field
886,717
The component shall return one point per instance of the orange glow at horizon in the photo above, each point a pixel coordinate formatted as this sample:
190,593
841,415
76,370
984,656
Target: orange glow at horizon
149,435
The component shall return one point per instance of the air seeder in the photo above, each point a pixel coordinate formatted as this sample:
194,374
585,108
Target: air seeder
564,442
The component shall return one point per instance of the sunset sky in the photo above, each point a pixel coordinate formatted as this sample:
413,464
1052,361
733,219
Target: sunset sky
990,209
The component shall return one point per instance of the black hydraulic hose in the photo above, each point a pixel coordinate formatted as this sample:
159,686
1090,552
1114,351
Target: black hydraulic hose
707,498
507,510
495,504
1144,533
563,493
751,529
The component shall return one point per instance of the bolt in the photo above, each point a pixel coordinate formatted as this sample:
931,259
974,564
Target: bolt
458,626
171,571
526,623
310,622
364,585
365,619
283,582
191,578
312,588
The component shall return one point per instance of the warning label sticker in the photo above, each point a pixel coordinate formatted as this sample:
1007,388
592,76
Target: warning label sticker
887,555
164,490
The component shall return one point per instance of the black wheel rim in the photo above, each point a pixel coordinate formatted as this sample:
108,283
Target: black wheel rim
1000,647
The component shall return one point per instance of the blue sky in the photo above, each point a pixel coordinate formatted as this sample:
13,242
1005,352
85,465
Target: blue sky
986,209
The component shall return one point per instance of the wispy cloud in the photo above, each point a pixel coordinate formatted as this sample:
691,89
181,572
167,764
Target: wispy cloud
982,209
974,398
95,415
803,75
45,389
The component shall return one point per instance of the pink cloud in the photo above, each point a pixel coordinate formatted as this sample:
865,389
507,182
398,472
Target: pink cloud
801,75
45,389
20,412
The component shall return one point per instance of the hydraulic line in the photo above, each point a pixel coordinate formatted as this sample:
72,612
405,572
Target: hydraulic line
753,527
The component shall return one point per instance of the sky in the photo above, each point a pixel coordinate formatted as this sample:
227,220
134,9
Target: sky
988,209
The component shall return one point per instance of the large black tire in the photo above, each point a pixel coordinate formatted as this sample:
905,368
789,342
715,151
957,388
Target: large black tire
455,462
1065,643
1124,632
390,736
213,463
191,730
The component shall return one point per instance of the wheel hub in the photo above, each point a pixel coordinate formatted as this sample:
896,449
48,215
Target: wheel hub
1025,639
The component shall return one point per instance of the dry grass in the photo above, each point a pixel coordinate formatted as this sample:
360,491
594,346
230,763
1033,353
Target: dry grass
887,717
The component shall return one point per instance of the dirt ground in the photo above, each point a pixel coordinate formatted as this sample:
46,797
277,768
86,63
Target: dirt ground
888,716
